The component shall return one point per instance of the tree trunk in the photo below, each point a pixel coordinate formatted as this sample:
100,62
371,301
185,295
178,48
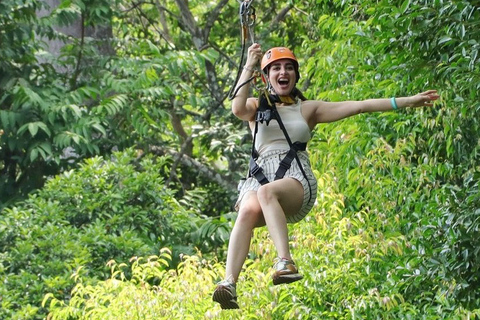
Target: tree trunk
102,33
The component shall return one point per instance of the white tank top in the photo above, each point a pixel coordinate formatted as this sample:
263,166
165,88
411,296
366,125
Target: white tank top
271,137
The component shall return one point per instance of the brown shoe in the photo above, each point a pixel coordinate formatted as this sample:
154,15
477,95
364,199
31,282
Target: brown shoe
226,294
285,271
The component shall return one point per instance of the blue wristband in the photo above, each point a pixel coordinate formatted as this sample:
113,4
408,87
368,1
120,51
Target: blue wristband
394,103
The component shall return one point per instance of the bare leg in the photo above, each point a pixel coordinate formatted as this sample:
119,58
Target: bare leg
249,217
278,199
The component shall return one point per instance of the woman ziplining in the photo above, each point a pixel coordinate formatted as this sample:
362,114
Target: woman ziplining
278,191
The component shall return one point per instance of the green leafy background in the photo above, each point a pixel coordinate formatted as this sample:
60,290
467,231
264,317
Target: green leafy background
119,159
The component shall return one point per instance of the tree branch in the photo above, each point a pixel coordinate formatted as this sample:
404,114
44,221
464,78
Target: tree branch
190,24
76,73
163,22
281,15
202,169
187,145
200,40
212,17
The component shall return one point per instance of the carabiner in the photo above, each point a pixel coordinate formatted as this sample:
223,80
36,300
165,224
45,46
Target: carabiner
247,12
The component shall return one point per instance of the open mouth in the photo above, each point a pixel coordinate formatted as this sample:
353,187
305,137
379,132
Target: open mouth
283,82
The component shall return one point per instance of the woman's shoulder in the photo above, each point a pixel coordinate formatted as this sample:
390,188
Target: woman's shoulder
310,110
312,105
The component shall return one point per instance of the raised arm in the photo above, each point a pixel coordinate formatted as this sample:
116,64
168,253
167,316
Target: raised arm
321,111
242,106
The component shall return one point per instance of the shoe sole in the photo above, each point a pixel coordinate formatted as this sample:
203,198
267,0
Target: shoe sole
288,278
225,299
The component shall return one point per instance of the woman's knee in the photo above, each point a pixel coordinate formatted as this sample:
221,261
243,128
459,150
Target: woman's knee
250,214
288,193
265,194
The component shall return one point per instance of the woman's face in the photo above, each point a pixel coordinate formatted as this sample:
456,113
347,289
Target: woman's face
282,76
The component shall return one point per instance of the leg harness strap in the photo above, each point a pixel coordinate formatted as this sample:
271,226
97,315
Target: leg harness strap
286,162
257,172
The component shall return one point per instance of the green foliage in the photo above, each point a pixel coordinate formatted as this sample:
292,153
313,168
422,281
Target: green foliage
112,88
350,269
104,210
41,116
395,231
417,166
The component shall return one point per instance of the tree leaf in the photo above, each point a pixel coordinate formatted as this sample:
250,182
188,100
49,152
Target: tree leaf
444,39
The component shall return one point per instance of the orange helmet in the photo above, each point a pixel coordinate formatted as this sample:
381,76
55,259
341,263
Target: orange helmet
275,54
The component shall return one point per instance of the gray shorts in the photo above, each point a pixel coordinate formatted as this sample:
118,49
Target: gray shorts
269,163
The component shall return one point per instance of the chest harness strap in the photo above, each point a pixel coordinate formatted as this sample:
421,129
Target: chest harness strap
268,111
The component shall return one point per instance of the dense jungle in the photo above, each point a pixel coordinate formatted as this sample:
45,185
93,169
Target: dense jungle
120,159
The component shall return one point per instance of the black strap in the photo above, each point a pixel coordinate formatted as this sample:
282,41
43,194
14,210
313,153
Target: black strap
257,172
286,162
287,137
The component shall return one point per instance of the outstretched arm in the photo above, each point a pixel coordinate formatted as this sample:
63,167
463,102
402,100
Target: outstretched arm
321,111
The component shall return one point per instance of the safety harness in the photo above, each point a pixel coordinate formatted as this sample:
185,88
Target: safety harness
266,112
267,109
